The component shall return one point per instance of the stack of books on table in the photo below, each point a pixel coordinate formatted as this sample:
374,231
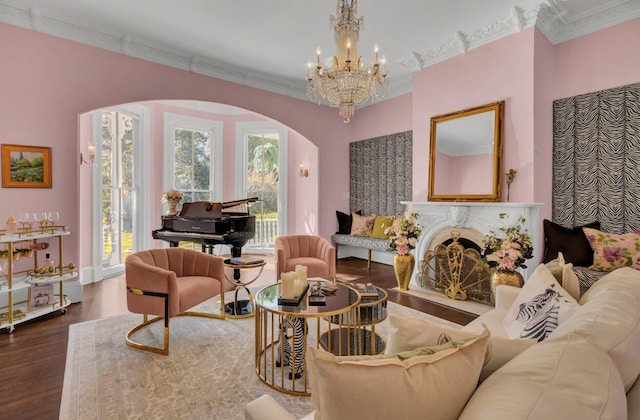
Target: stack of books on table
248,260
366,290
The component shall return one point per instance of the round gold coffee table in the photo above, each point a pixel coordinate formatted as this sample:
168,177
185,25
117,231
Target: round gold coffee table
283,333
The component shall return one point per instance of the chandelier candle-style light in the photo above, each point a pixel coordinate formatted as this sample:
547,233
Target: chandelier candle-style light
347,83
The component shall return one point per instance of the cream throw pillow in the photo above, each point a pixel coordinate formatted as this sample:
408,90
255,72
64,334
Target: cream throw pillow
406,333
429,386
563,272
540,307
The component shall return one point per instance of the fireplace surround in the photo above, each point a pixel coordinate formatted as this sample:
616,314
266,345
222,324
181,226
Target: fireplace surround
438,218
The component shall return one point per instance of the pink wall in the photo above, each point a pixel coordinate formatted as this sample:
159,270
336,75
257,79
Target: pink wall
48,82
498,71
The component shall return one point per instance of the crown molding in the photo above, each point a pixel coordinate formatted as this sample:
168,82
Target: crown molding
550,19
462,42
554,23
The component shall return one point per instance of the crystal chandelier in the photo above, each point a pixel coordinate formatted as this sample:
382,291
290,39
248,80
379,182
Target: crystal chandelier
346,83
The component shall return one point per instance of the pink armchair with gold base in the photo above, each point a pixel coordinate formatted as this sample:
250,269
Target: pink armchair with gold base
167,283
314,252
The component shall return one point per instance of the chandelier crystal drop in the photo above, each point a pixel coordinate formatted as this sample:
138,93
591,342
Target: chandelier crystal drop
346,83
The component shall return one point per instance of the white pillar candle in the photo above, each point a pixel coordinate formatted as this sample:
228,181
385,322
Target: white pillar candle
301,271
288,288
301,278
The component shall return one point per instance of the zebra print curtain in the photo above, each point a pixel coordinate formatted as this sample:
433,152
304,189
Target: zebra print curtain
596,159
380,171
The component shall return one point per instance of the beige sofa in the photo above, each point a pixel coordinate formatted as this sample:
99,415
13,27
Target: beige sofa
587,368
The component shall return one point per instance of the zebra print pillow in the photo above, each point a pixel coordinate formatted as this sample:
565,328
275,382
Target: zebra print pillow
540,307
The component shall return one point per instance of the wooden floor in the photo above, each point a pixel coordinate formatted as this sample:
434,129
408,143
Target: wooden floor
32,358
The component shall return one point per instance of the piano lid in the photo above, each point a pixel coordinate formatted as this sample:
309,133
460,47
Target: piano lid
210,210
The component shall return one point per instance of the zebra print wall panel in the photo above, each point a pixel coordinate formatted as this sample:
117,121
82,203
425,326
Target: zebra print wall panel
380,171
596,159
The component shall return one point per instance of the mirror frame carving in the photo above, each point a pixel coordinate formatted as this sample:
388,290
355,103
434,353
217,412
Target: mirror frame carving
498,140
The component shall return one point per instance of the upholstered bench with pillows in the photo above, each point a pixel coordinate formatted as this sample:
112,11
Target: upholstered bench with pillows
582,364
356,231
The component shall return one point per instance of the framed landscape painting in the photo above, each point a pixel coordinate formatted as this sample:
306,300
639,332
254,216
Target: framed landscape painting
26,166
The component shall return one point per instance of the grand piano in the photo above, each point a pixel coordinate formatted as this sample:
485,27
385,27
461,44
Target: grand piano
210,224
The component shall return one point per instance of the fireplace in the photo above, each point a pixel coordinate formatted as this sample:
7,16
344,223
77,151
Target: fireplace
453,265
473,221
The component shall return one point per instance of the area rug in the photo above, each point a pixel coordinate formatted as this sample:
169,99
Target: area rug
209,373
439,298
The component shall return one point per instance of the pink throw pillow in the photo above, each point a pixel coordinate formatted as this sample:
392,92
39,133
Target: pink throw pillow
611,251
362,225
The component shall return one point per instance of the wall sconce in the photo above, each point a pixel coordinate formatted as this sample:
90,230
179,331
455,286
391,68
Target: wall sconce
91,148
303,172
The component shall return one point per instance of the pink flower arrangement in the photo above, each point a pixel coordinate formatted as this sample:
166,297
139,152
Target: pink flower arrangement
404,233
510,251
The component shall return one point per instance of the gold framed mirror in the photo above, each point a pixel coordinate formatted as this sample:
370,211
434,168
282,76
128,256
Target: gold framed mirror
465,154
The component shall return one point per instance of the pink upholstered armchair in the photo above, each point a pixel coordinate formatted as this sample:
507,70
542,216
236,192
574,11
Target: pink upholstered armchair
315,252
167,283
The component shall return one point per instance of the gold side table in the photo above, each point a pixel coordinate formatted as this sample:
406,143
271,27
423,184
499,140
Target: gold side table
283,333
241,308
360,339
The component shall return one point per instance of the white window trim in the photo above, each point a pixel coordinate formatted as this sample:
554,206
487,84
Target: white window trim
141,208
244,129
174,121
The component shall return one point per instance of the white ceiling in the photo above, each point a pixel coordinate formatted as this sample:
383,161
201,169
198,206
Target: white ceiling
266,44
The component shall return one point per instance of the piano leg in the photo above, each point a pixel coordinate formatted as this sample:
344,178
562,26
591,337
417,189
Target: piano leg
236,251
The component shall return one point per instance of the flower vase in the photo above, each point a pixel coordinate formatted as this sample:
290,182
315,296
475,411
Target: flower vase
172,207
403,268
509,277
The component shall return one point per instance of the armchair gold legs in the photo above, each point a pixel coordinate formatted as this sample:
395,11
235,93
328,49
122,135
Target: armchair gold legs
146,321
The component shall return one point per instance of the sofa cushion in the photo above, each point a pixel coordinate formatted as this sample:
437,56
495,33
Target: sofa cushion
571,242
344,222
362,225
379,225
564,274
435,386
612,251
560,378
406,333
540,307
610,318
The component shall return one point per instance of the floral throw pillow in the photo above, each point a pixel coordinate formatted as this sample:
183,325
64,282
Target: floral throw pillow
362,225
611,251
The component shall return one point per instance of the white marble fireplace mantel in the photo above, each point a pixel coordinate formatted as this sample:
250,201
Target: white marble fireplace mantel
482,217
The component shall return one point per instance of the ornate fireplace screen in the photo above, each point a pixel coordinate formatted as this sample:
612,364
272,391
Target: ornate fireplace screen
457,271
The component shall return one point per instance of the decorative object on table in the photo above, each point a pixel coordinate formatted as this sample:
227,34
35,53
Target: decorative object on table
317,296
506,250
172,198
294,286
510,175
404,234
26,166
41,295
12,226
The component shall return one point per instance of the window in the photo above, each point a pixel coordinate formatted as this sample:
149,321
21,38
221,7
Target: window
193,157
262,155
120,197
